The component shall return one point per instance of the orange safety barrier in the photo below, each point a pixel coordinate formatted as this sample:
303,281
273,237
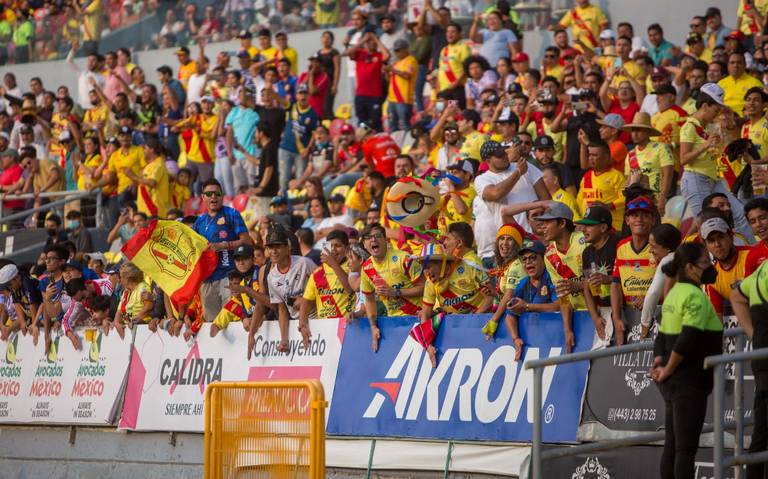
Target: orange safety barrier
269,429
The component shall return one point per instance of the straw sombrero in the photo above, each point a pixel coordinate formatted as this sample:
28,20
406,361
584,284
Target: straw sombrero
641,121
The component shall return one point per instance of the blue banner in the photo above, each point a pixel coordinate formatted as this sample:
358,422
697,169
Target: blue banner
477,392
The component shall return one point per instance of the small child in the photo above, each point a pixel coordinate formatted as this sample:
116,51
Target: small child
233,309
75,313
180,189
11,315
100,312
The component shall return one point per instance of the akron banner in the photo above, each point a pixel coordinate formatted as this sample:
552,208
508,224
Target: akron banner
65,386
476,392
168,376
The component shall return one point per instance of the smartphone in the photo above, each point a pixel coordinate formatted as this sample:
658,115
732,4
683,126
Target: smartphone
580,105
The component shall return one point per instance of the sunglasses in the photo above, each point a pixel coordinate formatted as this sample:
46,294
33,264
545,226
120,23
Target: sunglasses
639,205
210,194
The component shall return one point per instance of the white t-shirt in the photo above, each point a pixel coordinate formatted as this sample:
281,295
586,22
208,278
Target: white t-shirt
488,213
287,287
195,87
344,219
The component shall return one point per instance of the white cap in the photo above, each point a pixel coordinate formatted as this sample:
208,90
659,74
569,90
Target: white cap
65,135
7,273
607,34
712,225
714,91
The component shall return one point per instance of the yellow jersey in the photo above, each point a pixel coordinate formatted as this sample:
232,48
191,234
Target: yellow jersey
84,180
606,187
448,213
512,275
186,71
706,163
586,23
720,290
537,129
668,122
401,90
555,71
95,115
472,144
290,54
325,289
154,200
748,18
568,200
735,89
649,161
567,266
633,69
397,271
197,138
451,66
633,270
179,195
459,293
758,133
133,159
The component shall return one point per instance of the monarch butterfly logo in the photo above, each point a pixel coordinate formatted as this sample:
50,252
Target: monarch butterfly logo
53,353
10,353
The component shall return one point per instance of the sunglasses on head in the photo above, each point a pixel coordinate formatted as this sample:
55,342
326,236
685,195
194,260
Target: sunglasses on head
210,194
639,204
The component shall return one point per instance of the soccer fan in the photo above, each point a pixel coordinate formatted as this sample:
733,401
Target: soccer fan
737,83
755,128
650,158
390,276
730,262
544,150
610,129
450,71
551,175
757,215
563,259
379,150
586,22
457,203
601,184
663,241
632,270
369,56
402,86
297,140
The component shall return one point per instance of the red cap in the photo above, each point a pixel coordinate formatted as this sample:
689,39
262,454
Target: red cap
736,35
659,72
520,57
347,128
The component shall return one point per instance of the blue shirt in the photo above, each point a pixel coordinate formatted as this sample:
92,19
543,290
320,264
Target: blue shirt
227,225
178,91
243,122
662,52
287,88
299,126
542,295
496,44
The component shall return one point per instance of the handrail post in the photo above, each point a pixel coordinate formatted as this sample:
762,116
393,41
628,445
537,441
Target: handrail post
538,374
99,209
719,389
738,407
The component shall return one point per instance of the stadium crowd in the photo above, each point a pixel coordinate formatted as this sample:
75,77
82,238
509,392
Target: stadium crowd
620,174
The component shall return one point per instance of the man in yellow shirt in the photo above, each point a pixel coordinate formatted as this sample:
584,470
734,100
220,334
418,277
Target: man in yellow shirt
95,118
697,48
282,50
586,22
457,203
126,158
756,126
245,43
601,184
328,289
624,65
152,184
187,66
402,86
550,174
450,73
737,83
650,158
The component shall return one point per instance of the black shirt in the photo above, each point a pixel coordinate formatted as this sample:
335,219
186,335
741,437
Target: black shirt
268,158
274,120
587,121
326,60
602,259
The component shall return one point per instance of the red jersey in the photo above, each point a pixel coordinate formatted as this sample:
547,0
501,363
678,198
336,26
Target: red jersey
627,114
368,72
350,154
322,83
10,176
380,151
755,258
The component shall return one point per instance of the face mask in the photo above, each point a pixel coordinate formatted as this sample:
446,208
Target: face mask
322,144
548,114
709,275
73,224
439,106
51,232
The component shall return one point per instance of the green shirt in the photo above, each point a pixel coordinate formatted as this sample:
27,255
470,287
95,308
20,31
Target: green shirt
23,34
755,285
687,305
6,30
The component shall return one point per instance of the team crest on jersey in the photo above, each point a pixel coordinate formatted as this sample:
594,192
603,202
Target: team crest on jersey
394,257
544,290
582,240
460,269
222,234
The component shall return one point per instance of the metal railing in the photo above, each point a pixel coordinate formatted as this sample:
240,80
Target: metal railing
538,365
66,197
738,459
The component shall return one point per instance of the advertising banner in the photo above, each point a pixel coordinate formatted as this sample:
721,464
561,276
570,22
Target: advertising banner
65,386
168,376
477,392
635,403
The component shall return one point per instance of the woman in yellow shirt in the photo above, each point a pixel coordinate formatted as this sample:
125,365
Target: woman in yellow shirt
136,301
699,152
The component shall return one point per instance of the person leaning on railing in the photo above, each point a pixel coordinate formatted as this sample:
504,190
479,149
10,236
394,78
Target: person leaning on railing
690,330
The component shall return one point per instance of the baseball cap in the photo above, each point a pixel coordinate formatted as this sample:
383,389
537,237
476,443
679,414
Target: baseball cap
612,120
8,272
243,54
112,269
124,130
462,165
277,200
65,135
533,246
659,72
337,198
5,135
736,35
25,129
543,141
181,50
714,91
74,264
712,225
556,211
314,57
113,141
208,98
596,215
346,128
520,57
244,34
302,88
10,152
277,236
243,251
399,44
97,256
607,34
492,148
641,203
665,89
507,116
694,37
387,16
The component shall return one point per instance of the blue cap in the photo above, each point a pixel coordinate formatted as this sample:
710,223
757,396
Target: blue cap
534,246
277,200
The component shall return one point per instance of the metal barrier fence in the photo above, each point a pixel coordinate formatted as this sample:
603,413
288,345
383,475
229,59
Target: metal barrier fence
738,459
66,197
270,429
538,365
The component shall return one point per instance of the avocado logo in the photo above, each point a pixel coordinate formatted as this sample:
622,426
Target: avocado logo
10,353
95,351
53,353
